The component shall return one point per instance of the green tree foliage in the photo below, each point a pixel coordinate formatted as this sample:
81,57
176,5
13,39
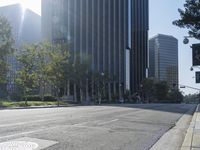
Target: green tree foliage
80,73
59,63
161,90
148,88
27,76
190,18
175,96
192,98
6,43
100,80
43,66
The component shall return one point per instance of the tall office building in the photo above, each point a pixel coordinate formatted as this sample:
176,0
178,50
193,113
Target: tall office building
102,30
163,58
26,28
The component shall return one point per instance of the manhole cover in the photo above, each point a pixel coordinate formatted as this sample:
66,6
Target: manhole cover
18,145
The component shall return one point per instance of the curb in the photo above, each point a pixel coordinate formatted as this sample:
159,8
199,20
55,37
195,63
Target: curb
36,107
192,138
174,137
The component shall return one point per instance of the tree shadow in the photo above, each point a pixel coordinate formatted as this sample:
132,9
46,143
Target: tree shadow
172,108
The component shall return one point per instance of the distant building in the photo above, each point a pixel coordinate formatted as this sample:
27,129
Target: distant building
100,29
26,28
163,59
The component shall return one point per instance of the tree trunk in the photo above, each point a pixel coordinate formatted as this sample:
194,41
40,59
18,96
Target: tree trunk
109,92
93,89
65,89
75,94
58,99
68,88
114,86
81,92
99,99
87,91
26,100
43,91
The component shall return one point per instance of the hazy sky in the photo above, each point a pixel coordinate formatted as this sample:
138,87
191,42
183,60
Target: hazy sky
162,13
34,5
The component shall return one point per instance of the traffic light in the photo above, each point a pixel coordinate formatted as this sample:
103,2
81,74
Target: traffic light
198,77
196,54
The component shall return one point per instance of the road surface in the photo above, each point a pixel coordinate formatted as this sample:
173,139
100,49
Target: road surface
112,127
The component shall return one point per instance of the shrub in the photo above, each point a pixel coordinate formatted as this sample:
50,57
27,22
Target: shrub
38,98
15,97
49,98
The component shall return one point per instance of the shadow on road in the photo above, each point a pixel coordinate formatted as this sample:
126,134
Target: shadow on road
172,108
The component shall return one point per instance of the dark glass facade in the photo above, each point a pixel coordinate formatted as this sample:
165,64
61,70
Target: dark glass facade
139,42
99,29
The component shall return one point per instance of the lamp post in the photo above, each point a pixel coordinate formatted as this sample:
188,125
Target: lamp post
101,87
127,67
121,99
127,70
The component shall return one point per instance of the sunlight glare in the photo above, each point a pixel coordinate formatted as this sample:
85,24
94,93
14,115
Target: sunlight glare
34,5
24,4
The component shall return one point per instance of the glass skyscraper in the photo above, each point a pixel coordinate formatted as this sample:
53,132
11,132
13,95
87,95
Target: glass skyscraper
163,58
102,30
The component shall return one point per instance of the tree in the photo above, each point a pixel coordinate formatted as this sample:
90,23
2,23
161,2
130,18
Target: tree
161,90
59,59
192,98
27,76
6,43
100,80
175,96
80,74
190,18
148,88
43,66
67,67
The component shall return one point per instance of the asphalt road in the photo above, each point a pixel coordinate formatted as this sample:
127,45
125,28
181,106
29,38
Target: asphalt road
117,127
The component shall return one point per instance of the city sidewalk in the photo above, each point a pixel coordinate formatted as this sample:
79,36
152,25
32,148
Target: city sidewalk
192,138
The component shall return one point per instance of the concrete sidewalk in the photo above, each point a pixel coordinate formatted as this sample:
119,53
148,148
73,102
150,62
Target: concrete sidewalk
192,138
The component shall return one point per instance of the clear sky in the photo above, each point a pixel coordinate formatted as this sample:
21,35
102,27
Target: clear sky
162,13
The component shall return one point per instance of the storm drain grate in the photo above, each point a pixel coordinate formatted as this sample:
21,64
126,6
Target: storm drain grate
18,145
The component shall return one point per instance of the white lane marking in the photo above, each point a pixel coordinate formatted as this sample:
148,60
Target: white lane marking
80,125
107,122
50,128
23,123
20,134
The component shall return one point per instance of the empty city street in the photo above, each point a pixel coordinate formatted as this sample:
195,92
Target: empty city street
111,127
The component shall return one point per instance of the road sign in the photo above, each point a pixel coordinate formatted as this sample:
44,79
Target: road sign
198,77
196,54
